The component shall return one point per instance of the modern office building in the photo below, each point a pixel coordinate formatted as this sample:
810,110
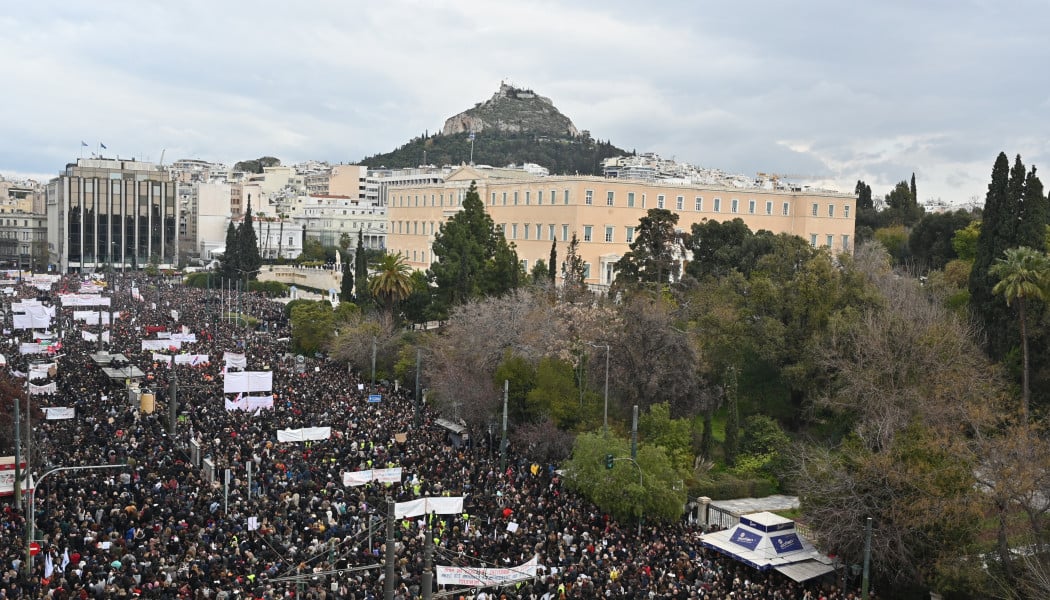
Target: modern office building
604,213
104,211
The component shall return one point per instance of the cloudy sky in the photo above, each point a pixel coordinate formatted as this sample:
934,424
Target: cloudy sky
830,89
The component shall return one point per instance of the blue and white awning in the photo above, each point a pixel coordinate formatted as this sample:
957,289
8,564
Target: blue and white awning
768,541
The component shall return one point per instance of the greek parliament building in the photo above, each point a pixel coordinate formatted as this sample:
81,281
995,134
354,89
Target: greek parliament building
103,211
604,213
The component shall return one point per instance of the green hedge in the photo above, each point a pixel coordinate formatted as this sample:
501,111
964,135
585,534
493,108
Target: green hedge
725,486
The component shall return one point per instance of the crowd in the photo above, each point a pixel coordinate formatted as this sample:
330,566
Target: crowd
157,528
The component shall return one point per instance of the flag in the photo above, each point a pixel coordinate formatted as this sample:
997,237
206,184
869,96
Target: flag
83,144
103,146
65,560
472,136
49,566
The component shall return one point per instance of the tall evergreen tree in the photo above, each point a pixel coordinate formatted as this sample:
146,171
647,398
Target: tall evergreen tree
229,265
1031,227
363,296
473,257
914,191
654,253
552,264
346,284
864,199
998,233
249,259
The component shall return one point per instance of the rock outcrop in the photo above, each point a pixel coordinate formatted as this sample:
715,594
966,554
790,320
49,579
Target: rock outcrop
513,110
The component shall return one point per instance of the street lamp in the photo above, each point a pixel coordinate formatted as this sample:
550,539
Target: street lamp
31,520
609,461
605,420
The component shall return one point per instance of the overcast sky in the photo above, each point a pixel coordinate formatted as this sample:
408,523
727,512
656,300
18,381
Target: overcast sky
840,90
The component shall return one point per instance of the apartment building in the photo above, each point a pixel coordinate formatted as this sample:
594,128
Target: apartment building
604,213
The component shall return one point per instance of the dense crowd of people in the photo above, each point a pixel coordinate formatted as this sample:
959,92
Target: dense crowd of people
157,527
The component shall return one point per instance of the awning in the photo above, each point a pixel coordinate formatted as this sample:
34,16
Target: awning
805,570
453,427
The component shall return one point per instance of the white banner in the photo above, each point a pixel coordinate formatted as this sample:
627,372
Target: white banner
250,403
87,336
135,295
164,359
356,478
246,382
83,300
35,319
42,371
7,476
53,413
433,504
479,577
174,315
191,359
50,388
304,434
237,361
171,345
92,317
188,338
31,348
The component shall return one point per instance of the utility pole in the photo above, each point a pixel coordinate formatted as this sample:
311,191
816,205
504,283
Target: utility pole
867,560
173,399
418,400
634,434
18,452
428,562
388,581
503,440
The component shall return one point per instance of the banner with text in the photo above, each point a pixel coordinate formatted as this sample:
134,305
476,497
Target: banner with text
356,478
479,577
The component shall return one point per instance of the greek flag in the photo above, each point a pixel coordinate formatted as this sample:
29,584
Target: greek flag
472,136
102,145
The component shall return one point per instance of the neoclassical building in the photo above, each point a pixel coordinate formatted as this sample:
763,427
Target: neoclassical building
604,213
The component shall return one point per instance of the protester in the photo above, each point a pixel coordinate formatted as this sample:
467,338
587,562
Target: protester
158,528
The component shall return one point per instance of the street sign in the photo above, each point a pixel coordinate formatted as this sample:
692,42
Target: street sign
34,549
375,397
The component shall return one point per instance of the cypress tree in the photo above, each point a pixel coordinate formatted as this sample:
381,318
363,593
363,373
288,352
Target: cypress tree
248,259
552,266
1031,227
361,271
346,284
228,265
998,233
914,192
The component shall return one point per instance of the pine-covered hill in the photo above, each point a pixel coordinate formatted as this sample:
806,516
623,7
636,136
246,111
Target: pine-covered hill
561,156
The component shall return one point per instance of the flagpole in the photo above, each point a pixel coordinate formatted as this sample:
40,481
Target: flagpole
471,147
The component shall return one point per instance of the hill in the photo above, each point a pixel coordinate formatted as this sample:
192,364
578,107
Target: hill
514,126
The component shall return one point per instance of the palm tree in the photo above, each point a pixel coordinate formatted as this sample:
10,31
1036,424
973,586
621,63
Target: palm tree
392,282
1023,273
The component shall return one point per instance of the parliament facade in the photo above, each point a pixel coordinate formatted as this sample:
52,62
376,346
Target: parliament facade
603,213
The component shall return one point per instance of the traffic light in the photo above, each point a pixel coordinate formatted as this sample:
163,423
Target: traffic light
609,460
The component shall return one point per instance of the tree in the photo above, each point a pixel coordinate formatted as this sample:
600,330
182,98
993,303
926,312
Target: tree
1024,274
473,256
864,201
346,284
311,326
902,208
248,261
364,298
552,264
573,272
654,253
719,247
660,495
557,396
540,274
1001,221
392,282
229,265
416,307
930,240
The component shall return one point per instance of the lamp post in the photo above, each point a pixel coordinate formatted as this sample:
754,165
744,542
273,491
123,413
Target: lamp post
605,418
31,517
372,388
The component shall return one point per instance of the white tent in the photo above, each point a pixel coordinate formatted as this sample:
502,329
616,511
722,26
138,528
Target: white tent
768,541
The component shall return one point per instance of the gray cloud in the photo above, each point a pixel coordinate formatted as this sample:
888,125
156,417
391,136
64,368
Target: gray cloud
847,91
